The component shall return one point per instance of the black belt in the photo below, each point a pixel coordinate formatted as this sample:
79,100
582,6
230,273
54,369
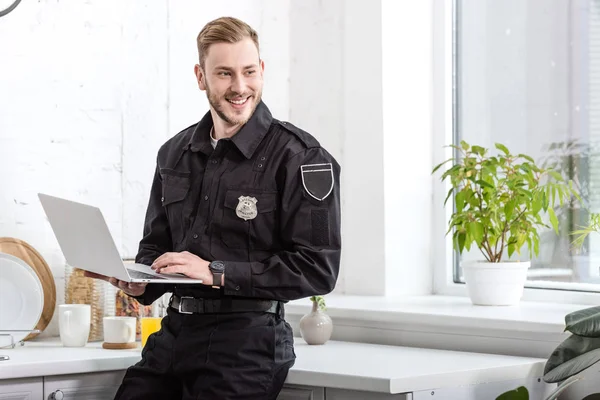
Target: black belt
192,305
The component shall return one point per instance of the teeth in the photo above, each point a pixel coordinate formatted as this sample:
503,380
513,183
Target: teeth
238,102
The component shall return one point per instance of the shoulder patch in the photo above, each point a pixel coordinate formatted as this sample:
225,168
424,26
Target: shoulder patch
317,180
305,137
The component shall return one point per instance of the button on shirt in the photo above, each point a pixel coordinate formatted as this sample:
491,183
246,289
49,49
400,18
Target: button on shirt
266,202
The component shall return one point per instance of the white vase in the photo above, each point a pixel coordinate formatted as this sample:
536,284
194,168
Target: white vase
495,284
316,327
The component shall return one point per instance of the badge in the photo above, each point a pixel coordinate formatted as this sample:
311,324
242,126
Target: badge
246,208
317,180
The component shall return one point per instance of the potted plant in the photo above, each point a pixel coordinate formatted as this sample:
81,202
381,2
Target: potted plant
571,158
576,358
499,205
316,327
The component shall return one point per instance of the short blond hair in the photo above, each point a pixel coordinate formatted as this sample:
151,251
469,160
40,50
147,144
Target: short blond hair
223,30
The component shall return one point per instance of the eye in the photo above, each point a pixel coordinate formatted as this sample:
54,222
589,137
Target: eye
251,72
224,73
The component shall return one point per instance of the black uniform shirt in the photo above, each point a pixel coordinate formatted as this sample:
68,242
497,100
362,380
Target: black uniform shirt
266,202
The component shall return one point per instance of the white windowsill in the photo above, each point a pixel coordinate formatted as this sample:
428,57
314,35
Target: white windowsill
449,322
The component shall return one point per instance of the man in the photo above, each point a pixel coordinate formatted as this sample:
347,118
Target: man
248,204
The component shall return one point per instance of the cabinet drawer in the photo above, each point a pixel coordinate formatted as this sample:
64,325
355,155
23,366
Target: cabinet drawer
94,386
21,389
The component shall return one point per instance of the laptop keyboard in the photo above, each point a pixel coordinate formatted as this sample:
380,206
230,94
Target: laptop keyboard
142,275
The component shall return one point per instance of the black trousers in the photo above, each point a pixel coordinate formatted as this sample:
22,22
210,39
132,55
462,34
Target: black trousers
213,356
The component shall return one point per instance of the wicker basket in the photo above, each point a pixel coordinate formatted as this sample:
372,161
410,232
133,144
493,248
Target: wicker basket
83,290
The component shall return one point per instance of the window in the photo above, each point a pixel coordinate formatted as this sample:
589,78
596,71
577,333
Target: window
527,75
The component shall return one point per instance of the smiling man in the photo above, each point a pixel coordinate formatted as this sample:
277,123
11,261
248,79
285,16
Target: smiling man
251,206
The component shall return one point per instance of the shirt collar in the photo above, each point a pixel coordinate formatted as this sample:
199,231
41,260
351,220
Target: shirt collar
246,139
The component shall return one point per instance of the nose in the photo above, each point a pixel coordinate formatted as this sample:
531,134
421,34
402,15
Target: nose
238,85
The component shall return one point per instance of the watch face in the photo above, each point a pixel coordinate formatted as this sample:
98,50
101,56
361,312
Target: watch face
217,266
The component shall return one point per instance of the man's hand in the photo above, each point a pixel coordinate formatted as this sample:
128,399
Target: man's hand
184,263
130,288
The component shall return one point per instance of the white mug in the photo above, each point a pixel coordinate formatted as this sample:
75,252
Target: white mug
119,329
74,324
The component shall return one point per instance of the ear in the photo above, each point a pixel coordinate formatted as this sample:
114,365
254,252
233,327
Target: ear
200,77
262,67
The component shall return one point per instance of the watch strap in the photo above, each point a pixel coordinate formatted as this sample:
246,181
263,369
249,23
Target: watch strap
217,276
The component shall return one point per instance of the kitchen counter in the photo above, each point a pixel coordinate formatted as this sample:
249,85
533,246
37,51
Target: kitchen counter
356,366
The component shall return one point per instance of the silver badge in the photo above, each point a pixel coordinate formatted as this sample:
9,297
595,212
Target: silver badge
246,208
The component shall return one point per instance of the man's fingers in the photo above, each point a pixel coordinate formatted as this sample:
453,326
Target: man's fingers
172,269
161,259
123,285
136,286
170,259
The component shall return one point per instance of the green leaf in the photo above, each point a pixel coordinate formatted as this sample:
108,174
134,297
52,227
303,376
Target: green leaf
440,165
511,249
537,202
478,150
509,208
502,148
553,220
484,184
461,238
459,200
556,175
584,322
448,196
528,158
572,356
477,232
465,146
520,393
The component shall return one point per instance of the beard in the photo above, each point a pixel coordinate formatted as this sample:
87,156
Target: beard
232,117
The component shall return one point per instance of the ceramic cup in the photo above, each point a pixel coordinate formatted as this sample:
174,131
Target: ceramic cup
119,329
74,324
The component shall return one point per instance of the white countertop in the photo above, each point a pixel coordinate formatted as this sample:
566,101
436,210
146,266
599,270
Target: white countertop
355,366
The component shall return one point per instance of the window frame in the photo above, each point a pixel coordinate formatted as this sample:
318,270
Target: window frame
445,131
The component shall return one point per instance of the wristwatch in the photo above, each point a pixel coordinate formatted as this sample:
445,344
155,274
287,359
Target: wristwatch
218,269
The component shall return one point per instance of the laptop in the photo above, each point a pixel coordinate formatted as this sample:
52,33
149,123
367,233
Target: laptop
86,243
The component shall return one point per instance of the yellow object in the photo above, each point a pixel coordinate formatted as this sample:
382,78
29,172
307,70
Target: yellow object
149,326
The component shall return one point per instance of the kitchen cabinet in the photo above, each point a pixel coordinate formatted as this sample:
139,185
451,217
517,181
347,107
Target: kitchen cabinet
45,370
104,386
94,386
22,389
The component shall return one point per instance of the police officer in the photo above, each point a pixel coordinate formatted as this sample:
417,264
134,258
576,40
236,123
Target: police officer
251,206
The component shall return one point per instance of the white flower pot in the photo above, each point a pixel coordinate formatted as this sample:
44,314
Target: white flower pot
495,284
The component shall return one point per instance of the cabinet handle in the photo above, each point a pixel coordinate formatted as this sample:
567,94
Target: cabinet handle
57,395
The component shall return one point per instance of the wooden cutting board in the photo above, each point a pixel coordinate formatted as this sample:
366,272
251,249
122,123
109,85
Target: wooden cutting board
24,251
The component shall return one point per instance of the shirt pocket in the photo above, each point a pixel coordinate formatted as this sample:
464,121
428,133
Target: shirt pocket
175,187
249,219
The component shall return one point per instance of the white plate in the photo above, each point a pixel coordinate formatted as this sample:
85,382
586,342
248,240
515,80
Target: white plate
21,298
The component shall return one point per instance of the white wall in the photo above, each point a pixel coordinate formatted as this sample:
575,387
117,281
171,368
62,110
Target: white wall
90,91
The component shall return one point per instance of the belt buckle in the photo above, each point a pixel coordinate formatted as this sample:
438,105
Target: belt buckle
181,303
